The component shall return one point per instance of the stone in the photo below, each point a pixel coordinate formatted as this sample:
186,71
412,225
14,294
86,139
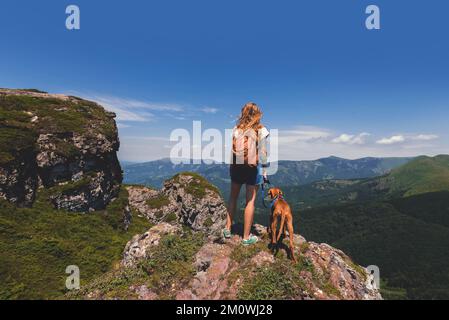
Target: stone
139,247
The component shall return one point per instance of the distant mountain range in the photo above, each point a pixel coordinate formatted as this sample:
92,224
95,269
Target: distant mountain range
418,176
290,173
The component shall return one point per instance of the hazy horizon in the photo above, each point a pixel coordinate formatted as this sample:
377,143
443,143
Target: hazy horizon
317,159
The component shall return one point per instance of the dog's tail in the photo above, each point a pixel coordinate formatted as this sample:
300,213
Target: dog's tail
281,228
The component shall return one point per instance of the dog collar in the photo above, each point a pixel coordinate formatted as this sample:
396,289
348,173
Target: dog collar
278,197
274,201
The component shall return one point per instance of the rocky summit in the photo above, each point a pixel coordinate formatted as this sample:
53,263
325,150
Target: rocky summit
183,256
63,144
168,262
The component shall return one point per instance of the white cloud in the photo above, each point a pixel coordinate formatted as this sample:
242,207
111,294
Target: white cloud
122,125
392,140
131,109
396,139
135,104
209,110
361,138
308,143
425,137
303,133
351,139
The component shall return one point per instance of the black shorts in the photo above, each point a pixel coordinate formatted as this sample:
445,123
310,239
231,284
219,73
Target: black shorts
243,174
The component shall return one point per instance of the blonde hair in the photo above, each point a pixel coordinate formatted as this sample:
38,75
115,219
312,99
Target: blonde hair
250,117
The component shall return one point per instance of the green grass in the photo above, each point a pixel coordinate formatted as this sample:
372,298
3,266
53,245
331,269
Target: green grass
171,217
36,245
208,223
422,175
172,262
391,293
158,202
71,185
198,186
277,281
244,253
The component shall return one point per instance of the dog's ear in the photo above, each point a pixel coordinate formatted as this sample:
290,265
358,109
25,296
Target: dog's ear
270,193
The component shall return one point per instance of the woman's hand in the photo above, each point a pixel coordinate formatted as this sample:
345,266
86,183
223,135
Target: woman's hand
265,177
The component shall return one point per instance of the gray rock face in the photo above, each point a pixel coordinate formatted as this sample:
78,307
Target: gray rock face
69,147
18,181
186,199
139,247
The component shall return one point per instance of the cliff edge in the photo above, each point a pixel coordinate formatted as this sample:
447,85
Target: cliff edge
63,144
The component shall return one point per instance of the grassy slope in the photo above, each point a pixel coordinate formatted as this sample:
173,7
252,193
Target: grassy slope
422,175
36,245
407,238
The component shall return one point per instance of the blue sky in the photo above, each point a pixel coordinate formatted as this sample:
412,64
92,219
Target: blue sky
330,86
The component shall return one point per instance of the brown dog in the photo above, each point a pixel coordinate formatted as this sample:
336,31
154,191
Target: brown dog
280,208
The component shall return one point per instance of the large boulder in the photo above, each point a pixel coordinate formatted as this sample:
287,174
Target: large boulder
186,199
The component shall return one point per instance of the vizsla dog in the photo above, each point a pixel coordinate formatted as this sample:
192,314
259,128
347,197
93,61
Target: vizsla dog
280,208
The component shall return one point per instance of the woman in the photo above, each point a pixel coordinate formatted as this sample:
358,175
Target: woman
247,166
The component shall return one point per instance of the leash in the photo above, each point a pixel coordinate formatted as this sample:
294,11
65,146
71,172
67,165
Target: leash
266,185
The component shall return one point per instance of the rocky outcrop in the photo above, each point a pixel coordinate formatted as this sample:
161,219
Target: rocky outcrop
139,247
61,144
229,270
187,199
221,269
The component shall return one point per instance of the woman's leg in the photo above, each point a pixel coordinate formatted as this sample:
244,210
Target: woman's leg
233,198
251,192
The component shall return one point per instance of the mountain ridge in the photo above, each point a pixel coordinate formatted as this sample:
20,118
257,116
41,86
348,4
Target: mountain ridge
289,172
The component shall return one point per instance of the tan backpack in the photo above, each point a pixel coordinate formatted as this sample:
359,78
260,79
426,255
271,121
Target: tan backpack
245,147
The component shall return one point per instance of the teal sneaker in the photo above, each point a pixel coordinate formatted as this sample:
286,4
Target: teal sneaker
226,233
251,240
